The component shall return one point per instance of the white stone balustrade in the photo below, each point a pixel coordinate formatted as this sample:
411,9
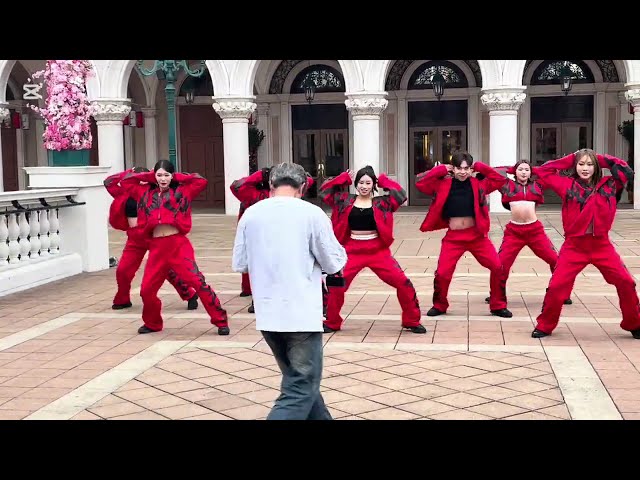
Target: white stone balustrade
36,247
24,224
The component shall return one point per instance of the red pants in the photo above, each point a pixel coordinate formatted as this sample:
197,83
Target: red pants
576,253
454,244
372,254
175,253
246,284
516,237
132,255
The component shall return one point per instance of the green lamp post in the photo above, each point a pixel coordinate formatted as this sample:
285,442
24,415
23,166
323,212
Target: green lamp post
168,70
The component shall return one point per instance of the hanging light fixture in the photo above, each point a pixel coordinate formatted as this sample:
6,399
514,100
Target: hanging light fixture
309,87
189,96
309,90
438,84
565,79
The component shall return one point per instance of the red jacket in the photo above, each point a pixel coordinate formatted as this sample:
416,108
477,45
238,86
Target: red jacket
513,191
171,207
117,216
583,204
341,201
245,190
437,182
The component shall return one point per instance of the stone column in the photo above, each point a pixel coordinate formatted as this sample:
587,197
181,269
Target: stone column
235,113
633,96
109,114
264,124
150,137
4,114
403,146
366,109
503,107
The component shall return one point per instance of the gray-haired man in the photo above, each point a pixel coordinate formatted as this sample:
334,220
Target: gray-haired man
285,243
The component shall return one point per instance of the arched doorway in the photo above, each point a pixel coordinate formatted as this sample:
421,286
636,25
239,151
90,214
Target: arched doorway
8,137
318,126
430,128
200,138
22,144
320,131
563,122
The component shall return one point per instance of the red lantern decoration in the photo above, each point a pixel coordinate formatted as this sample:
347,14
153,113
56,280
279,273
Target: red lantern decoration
126,122
139,120
16,120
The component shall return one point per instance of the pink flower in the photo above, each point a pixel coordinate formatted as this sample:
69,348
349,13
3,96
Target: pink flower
67,114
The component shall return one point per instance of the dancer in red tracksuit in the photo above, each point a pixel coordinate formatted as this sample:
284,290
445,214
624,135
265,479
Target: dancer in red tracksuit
521,196
460,204
589,203
123,215
363,224
250,190
164,212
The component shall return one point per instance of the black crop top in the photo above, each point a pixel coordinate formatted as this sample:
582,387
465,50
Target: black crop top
131,208
361,219
460,201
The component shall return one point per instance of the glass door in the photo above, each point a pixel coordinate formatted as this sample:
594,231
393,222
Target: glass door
322,153
556,140
430,147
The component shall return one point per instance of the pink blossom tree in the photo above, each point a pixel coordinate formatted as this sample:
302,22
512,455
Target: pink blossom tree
67,112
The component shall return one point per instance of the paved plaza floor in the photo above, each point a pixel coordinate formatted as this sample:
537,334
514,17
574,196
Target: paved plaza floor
65,354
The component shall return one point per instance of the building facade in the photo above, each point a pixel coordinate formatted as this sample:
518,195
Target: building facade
399,116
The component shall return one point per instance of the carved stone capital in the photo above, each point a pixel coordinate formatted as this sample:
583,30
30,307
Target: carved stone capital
366,105
503,100
234,109
633,97
4,112
110,110
263,109
149,112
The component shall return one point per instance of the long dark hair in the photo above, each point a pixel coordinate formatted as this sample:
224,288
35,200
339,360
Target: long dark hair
264,184
368,170
168,167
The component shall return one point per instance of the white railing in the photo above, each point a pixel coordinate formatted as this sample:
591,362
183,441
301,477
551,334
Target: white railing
30,225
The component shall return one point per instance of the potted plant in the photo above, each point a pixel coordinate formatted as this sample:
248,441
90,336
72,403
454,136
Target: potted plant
626,130
67,113
256,138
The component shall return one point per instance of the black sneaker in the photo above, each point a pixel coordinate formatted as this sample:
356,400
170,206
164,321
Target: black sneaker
636,333
251,308
120,306
486,300
327,329
145,329
434,312
568,301
417,329
245,294
540,334
113,262
192,304
223,330
503,312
